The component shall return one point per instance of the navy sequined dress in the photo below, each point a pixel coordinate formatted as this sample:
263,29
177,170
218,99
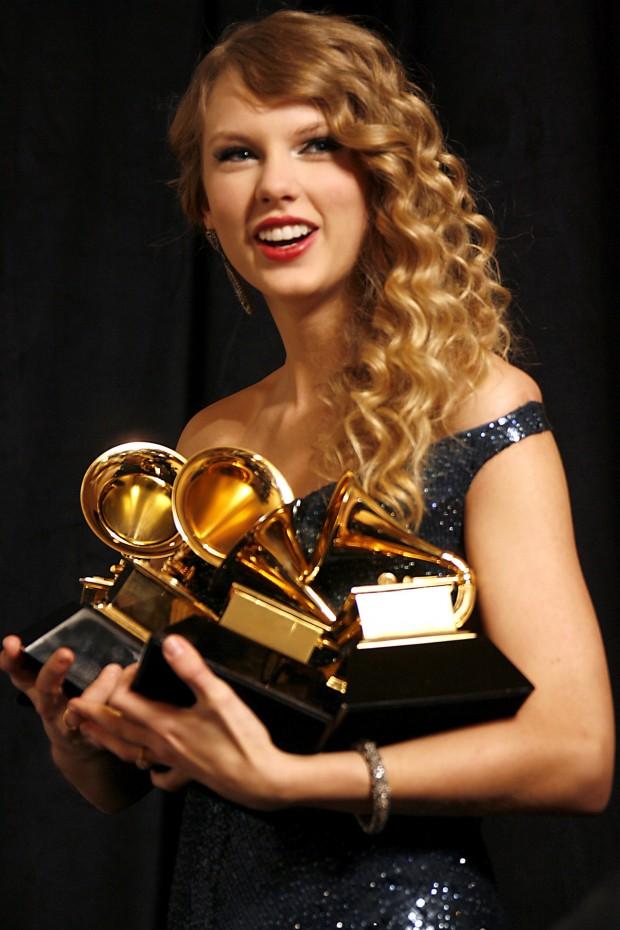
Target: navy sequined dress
239,869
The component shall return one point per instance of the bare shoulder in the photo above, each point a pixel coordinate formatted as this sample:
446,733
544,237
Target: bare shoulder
222,423
504,389
203,429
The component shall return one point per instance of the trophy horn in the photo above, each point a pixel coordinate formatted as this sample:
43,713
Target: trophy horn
126,498
355,520
273,554
220,494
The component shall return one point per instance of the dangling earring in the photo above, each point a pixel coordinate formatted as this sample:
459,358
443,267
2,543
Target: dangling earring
242,297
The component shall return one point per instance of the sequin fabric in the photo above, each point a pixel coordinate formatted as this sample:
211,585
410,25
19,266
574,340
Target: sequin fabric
453,464
315,870
312,870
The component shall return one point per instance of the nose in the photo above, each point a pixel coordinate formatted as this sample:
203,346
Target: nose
278,180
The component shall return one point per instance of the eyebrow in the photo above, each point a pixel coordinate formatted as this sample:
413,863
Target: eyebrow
227,136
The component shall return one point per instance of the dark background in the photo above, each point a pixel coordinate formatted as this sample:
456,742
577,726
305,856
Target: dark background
117,326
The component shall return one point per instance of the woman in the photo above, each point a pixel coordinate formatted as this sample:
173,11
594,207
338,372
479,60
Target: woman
321,176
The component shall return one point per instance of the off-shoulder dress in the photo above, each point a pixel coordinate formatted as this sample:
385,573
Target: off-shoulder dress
238,869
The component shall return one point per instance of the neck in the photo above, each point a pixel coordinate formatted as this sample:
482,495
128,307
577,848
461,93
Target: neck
314,341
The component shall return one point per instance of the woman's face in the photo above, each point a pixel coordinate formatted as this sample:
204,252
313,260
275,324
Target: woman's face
288,204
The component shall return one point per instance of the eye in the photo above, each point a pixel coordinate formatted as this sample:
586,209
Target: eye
320,146
234,153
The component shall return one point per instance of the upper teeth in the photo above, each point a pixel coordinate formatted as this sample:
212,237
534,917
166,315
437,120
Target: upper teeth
280,233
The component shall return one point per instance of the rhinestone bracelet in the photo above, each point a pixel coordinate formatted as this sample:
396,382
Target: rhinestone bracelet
379,788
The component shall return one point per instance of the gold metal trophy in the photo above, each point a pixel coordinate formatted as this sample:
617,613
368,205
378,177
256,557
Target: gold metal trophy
327,616
126,498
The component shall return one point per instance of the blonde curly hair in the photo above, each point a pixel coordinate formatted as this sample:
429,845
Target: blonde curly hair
429,306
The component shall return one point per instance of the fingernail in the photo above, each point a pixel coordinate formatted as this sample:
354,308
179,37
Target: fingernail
71,721
173,646
112,667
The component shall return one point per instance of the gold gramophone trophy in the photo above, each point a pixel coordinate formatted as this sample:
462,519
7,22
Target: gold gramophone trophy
126,498
334,623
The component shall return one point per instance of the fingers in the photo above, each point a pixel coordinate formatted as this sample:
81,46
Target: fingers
50,679
11,662
105,728
189,665
44,688
11,650
98,714
133,705
104,724
47,691
98,692
101,738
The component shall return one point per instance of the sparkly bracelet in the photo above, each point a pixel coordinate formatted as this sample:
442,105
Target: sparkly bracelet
379,788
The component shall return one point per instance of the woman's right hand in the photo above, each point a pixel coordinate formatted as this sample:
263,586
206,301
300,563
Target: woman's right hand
45,690
97,774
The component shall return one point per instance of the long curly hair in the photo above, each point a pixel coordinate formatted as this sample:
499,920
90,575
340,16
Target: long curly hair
429,308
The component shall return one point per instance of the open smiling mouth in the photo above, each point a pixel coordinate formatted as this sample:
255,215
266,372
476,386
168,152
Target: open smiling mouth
283,237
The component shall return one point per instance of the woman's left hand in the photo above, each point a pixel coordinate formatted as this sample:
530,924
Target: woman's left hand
218,741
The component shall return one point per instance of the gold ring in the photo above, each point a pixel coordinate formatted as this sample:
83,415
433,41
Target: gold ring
71,727
141,762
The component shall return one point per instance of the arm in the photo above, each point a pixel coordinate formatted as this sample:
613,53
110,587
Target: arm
555,754
98,775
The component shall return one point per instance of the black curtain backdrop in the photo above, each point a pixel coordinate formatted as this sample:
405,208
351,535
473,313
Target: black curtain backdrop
117,326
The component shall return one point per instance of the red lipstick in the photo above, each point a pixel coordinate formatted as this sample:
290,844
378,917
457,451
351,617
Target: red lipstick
284,253
270,221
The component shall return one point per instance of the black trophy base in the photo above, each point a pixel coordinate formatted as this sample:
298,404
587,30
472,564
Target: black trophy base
95,640
394,693
254,671
399,692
